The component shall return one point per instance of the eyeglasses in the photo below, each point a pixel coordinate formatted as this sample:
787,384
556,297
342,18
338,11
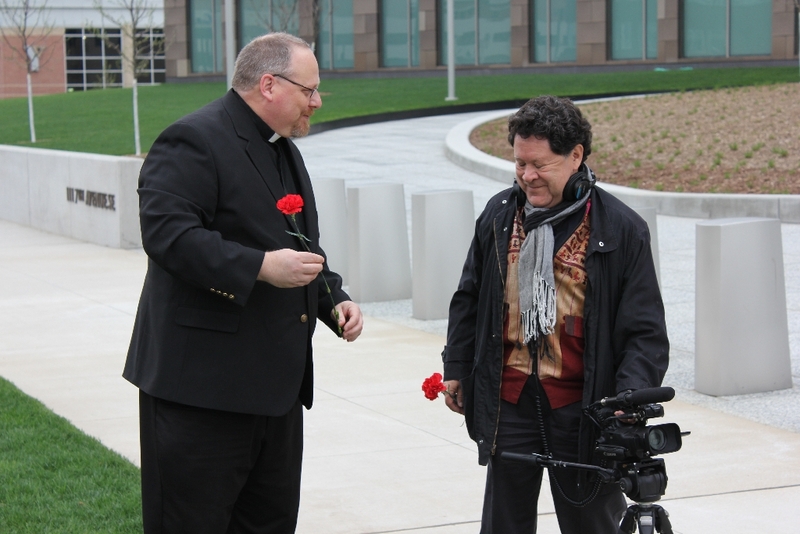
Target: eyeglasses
312,91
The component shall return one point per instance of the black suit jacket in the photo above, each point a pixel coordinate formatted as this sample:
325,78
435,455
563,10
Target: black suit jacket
207,333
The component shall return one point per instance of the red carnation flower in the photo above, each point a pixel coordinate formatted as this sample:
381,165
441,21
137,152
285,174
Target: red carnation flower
291,204
433,385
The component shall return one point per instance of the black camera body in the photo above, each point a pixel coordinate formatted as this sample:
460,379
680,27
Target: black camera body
627,441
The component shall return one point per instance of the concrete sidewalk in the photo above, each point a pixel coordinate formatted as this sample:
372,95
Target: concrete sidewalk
379,457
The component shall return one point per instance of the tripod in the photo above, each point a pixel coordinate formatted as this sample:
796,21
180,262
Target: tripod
643,482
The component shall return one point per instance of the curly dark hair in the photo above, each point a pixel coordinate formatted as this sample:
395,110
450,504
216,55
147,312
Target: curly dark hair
556,119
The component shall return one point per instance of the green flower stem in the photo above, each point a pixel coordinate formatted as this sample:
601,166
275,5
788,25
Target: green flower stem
304,240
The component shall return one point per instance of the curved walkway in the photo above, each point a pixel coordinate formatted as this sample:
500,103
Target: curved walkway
380,458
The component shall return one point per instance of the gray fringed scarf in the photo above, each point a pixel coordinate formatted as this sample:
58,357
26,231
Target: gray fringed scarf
537,292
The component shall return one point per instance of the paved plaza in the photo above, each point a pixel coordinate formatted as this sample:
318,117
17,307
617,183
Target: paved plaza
379,457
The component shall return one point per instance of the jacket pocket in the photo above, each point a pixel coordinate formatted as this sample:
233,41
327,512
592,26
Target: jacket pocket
207,319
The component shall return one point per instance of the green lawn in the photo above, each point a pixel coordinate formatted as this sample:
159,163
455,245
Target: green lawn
100,121
54,478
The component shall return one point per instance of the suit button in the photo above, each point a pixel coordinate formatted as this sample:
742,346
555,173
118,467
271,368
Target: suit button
304,318
231,297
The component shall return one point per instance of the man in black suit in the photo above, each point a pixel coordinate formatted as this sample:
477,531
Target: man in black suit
221,347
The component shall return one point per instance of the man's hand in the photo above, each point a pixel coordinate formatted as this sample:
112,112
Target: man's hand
350,320
290,268
453,396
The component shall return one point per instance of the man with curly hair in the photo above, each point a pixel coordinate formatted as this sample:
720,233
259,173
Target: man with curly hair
558,306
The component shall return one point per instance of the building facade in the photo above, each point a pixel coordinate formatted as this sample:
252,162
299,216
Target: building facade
81,49
386,35
382,37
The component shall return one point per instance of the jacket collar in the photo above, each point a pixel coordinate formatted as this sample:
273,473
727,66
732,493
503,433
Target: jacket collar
247,130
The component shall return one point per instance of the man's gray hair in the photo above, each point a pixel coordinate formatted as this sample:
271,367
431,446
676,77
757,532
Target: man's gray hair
267,54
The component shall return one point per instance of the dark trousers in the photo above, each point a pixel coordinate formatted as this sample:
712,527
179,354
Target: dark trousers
512,488
209,471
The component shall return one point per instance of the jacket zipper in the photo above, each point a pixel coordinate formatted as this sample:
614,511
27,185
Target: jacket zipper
499,390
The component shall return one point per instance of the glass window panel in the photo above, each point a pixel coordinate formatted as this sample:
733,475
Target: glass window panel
343,34
538,34
563,34
751,27
94,64
113,45
74,64
285,16
254,16
494,28
74,78
74,46
324,34
257,17
394,33
93,45
626,29
414,33
206,31
335,46
464,29
704,28
652,29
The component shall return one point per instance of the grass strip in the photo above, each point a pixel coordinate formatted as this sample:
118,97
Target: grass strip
100,121
55,479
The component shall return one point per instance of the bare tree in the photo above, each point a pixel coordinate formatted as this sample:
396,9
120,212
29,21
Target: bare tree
134,18
25,29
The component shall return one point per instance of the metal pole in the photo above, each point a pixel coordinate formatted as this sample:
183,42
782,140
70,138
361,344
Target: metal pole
451,52
230,39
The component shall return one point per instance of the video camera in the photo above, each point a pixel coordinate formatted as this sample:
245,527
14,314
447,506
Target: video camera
630,445
625,436
627,440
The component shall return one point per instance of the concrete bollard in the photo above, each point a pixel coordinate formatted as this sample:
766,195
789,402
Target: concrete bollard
649,216
378,259
331,200
741,329
442,224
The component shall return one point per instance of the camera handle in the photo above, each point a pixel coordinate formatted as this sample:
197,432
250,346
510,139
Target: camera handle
607,475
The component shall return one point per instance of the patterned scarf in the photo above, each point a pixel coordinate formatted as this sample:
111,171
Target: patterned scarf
537,292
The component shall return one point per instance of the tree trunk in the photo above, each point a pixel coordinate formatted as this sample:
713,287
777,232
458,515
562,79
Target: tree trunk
137,140
30,109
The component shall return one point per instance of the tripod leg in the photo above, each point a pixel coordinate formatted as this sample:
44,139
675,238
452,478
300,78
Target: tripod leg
628,524
662,521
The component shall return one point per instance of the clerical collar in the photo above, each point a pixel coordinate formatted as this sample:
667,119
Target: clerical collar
267,133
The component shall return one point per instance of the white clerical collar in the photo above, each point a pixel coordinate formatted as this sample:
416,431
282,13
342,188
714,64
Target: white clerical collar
274,137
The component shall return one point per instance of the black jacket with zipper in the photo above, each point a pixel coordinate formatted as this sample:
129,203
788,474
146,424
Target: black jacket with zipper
626,345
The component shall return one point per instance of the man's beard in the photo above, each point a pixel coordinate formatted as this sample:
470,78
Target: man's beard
301,127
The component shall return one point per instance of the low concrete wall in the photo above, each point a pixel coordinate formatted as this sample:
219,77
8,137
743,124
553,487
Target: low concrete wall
785,208
90,197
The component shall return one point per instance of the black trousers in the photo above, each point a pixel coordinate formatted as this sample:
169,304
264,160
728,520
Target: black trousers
512,488
209,471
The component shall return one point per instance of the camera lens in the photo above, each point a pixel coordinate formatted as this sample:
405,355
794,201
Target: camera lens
656,439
